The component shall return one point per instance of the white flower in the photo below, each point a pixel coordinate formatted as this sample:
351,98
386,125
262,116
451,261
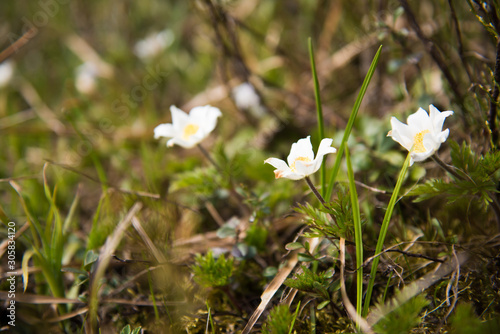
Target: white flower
423,134
188,130
6,72
245,96
153,44
301,160
86,74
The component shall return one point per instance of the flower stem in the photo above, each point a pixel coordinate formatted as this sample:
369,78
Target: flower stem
383,233
318,195
315,191
446,167
232,189
209,157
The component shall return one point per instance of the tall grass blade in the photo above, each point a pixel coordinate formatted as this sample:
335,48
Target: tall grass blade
350,124
358,238
319,112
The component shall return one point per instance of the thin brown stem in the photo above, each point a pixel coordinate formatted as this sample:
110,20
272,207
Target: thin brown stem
447,168
232,190
315,191
494,93
318,195
209,157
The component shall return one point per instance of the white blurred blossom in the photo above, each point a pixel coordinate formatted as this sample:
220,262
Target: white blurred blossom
153,44
86,78
246,98
6,72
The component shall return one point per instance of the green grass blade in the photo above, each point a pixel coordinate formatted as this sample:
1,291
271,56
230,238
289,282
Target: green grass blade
24,267
319,112
350,124
151,291
358,238
39,240
72,211
383,233
297,309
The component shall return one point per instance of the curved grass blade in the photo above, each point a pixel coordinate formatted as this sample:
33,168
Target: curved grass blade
383,232
319,112
350,124
358,238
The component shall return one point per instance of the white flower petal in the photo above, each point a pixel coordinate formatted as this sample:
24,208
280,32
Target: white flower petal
325,147
401,133
205,117
301,149
282,169
179,118
419,120
181,142
423,134
305,168
164,130
438,118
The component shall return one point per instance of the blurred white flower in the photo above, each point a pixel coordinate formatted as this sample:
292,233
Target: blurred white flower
301,160
153,44
6,72
189,130
86,75
423,134
245,96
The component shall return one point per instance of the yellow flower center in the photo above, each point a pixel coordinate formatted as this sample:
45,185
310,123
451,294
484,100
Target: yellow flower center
418,142
304,159
189,130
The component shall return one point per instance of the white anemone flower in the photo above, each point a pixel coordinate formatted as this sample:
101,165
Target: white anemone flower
423,134
301,160
6,72
245,96
86,78
189,130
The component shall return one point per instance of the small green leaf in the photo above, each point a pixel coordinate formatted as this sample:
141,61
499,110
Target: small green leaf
26,257
305,257
323,304
126,330
294,245
226,232
90,258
